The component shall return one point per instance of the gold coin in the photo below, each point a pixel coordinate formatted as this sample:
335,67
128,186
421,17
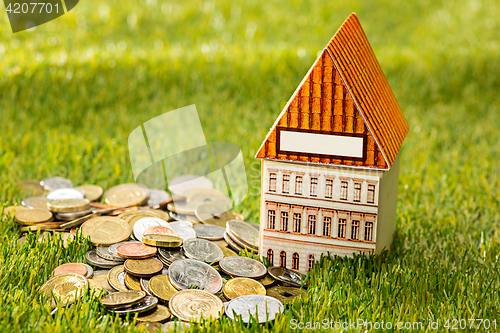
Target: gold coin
214,214
267,280
116,278
143,268
285,294
100,281
106,230
132,282
33,216
162,240
126,195
242,286
68,205
122,298
36,202
66,287
11,211
160,314
227,252
42,226
161,287
31,187
239,217
92,192
158,212
192,304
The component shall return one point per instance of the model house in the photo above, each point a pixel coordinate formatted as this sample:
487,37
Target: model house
330,163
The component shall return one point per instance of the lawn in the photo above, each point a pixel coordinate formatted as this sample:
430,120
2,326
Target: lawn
73,90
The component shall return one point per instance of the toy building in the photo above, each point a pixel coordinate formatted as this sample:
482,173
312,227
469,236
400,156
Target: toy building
330,163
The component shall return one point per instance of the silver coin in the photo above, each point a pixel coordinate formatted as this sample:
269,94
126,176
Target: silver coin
243,267
180,184
90,271
231,243
202,250
181,223
147,222
207,195
65,193
112,248
183,231
262,308
156,197
288,277
54,183
175,326
238,242
72,216
147,303
144,286
36,202
209,232
189,273
103,252
243,232
93,259
171,255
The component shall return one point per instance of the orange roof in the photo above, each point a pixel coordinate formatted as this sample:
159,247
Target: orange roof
345,92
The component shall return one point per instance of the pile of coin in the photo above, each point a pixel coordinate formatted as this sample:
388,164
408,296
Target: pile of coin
157,258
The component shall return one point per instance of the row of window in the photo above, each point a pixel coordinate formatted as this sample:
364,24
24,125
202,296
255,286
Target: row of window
295,259
327,225
344,185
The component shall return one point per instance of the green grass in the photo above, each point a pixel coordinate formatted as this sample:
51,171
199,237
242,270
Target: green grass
70,114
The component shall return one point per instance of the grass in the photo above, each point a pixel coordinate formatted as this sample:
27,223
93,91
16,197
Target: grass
72,91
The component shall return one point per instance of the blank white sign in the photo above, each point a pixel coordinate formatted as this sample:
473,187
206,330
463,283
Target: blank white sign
323,144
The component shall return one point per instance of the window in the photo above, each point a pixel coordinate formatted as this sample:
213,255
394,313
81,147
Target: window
355,229
312,224
368,231
284,221
327,226
371,194
271,219
357,192
295,261
272,182
329,187
298,185
342,227
310,261
297,217
270,256
283,259
286,183
314,185
343,191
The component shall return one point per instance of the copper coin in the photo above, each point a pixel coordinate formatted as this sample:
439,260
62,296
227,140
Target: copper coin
70,268
135,250
160,231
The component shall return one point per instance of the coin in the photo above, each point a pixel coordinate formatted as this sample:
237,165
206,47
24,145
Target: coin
11,211
68,205
183,231
162,240
203,250
106,230
90,271
144,305
240,217
112,249
147,222
195,304
262,308
54,183
157,212
72,216
288,277
122,298
36,202
150,327
267,281
144,286
172,254
70,268
285,294
244,233
42,226
227,252
161,287
132,282
206,195
209,232
135,250
93,259
92,192
187,273
181,223
159,314
101,277
213,214
126,195
175,326
181,207
32,216
65,193
180,184
143,268
242,286
243,267
231,242
31,187
103,252
116,278
66,287
156,197
159,231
